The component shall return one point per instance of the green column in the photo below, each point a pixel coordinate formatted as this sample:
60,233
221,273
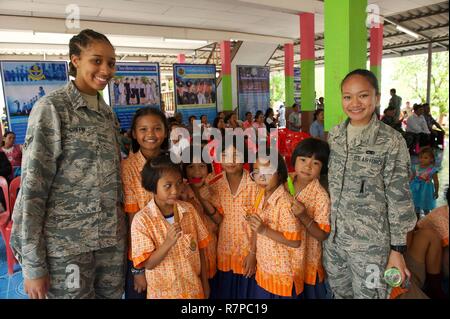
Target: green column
307,88
345,51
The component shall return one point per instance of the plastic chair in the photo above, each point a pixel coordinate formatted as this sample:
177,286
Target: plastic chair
13,190
6,226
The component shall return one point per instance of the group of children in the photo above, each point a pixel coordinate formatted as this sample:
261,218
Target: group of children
242,230
249,231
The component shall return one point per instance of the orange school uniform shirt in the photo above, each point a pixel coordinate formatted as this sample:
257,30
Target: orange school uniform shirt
275,268
135,196
211,249
437,220
317,203
233,243
178,274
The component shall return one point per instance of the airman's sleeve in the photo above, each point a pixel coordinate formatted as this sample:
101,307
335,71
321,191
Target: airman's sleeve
41,150
401,215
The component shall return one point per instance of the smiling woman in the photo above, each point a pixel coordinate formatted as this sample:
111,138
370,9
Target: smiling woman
68,211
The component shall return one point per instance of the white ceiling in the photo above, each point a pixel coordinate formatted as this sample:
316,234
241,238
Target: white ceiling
268,18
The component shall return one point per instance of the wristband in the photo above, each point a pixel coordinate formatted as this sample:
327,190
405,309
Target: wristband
137,271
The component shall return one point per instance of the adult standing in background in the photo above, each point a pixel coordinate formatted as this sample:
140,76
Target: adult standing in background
395,102
282,116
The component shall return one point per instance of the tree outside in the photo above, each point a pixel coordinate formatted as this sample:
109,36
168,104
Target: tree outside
277,95
410,79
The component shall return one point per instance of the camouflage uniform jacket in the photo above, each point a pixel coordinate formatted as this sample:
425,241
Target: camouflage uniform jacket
369,186
70,197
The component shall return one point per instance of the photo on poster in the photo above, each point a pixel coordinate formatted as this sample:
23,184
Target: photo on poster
135,85
253,89
195,90
24,83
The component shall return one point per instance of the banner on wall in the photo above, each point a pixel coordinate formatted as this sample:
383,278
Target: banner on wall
135,85
253,89
297,86
195,90
24,83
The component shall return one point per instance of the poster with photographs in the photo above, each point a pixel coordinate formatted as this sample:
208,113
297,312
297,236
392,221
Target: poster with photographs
253,89
24,83
195,90
135,85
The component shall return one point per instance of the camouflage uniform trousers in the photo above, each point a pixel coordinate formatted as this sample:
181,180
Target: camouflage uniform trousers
98,274
356,272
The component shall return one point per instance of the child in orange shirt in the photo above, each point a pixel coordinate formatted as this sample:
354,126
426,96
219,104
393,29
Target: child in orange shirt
279,233
196,170
310,160
168,237
236,260
149,138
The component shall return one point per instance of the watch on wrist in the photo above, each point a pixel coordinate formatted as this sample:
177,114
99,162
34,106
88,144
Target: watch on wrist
400,249
136,271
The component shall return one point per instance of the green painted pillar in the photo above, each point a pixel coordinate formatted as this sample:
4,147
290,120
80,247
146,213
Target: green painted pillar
226,76
345,51
307,62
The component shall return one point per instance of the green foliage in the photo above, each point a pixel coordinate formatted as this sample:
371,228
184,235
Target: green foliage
411,71
277,93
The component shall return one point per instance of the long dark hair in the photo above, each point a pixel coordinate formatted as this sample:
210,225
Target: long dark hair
149,111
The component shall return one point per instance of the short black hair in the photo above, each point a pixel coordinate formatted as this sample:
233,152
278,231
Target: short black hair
190,149
258,113
149,111
417,106
155,168
369,75
394,91
247,113
282,169
313,147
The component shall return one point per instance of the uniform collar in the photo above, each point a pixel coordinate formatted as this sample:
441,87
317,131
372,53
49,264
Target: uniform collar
273,199
77,99
367,136
154,210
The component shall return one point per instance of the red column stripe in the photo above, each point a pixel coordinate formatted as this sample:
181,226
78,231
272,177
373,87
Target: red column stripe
307,36
289,59
225,57
376,44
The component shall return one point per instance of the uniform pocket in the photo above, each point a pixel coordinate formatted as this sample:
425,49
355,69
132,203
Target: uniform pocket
79,157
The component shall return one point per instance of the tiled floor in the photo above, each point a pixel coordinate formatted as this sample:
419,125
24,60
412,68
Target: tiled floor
11,287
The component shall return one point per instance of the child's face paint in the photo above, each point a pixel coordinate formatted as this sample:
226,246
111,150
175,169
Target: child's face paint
307,168
95,67
359,100
149,132
168,188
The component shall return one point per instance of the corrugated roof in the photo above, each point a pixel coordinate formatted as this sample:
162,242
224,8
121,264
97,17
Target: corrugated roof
431,22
